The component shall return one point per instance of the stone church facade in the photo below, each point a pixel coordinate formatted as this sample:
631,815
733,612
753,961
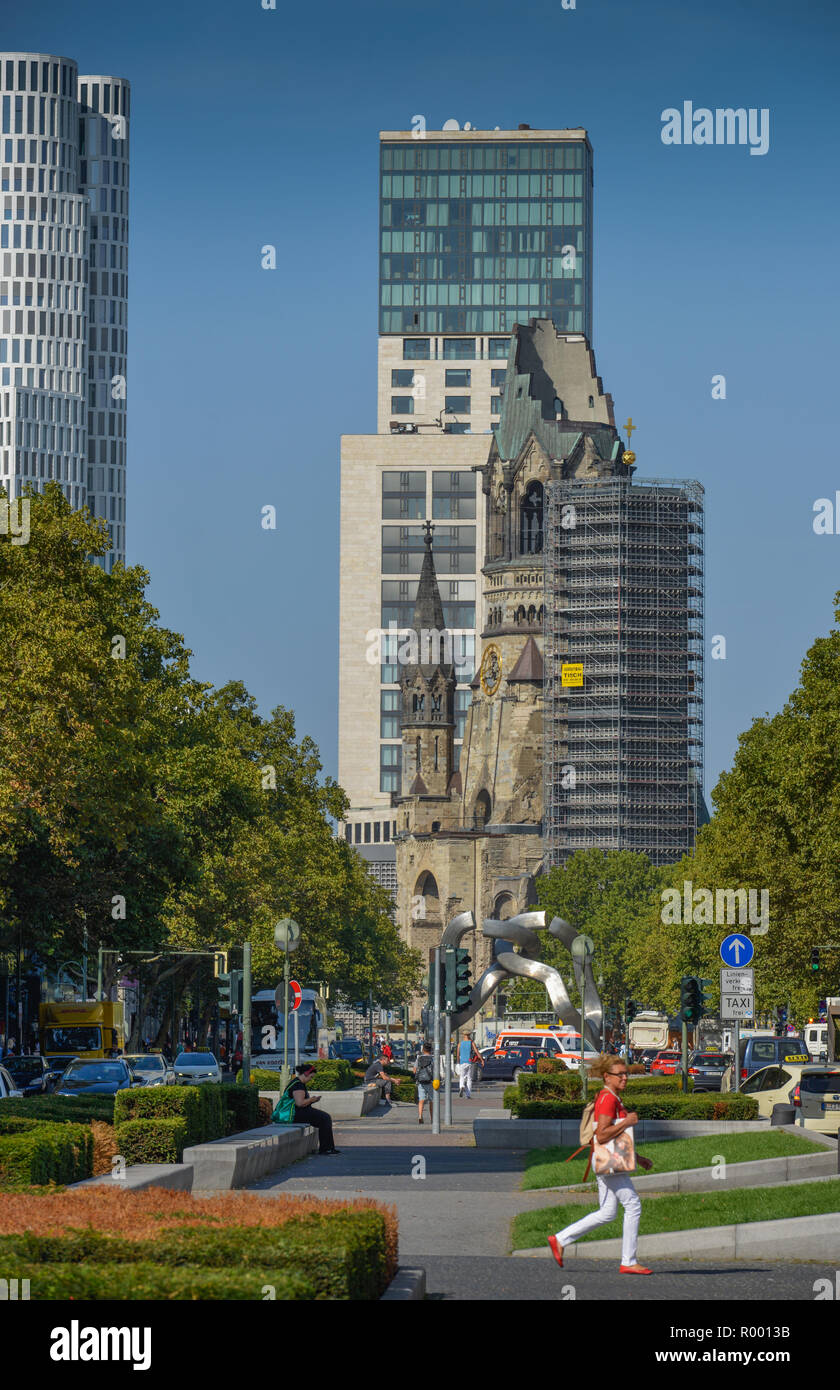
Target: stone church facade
471,837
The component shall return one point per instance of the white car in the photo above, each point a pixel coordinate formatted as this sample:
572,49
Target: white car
196,1068
8,1089
151,1069
774,1085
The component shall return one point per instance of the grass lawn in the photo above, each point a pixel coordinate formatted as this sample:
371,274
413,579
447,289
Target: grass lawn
684,1212
547,1168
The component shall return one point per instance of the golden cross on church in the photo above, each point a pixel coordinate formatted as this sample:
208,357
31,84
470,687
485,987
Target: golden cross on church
630,427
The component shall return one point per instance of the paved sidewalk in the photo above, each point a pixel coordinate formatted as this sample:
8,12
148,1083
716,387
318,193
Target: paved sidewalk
455,1218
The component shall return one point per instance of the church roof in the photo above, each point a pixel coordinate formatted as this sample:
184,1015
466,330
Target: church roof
455,787
529,666
418,787
428,618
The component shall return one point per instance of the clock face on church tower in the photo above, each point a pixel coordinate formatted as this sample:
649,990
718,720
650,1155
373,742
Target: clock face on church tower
490,674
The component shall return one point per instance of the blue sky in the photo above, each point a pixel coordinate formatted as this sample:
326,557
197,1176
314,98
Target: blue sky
253,127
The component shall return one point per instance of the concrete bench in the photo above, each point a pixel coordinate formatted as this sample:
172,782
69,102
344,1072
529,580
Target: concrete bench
342,1105
506,1133
244,1158
138,1176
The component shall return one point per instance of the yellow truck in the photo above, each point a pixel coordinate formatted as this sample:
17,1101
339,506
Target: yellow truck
93,1029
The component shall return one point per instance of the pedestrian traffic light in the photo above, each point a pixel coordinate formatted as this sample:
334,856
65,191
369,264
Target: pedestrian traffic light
691,999
815,958
704,1000
457,987
224,993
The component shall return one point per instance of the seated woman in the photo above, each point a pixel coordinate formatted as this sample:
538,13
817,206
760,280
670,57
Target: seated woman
306,1114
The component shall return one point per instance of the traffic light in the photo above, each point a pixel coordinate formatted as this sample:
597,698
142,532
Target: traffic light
631,1008
224,992
457,987
691,1006
220,964
236,991
815,958
704,996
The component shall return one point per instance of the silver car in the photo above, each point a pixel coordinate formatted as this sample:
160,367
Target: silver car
150,1069
196,1068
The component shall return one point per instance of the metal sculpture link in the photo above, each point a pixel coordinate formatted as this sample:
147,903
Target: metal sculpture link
507,962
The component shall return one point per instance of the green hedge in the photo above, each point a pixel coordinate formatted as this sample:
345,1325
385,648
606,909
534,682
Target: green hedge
152,1140
330,1075
262,1078
127,1282
242,1105
35,1154
340,1255
202,1108
648,1106
567,1086
79,1110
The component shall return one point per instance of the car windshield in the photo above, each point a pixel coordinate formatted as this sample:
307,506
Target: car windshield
195,1059
90,1073
709,1059
24,1068
820,1083
78,1039
145,1063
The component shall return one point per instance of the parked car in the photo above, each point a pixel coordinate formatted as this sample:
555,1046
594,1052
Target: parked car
30,1073
347,1050
150,1069
759,1052
8,1088
646,1057
97,1078
196,1068
707,1069
775,1086
817,1099
506,1066
565,1046
665,1064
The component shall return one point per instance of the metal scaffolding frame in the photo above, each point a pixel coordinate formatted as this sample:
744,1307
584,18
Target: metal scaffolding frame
623,759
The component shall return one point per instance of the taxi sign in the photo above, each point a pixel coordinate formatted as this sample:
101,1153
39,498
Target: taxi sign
571,673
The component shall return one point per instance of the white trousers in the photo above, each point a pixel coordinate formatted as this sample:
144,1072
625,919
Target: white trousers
612,1189
465,1077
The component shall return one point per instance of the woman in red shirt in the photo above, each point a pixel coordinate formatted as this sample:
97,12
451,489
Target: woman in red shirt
612,1121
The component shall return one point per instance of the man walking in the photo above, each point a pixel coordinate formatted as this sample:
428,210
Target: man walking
611,1121
468,1054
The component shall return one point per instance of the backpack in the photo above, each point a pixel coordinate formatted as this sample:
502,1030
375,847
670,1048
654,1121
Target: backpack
425,1068
284,1111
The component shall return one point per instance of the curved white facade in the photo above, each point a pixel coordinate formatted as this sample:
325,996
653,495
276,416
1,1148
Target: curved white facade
63,283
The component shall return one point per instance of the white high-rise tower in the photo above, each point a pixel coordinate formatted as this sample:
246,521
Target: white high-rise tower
63,284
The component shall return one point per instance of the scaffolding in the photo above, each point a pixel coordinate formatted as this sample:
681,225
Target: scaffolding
623,756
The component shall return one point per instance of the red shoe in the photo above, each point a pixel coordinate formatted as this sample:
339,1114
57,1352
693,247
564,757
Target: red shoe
634,1269
556,1250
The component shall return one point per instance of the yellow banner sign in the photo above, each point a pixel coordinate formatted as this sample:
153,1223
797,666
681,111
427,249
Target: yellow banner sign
572,673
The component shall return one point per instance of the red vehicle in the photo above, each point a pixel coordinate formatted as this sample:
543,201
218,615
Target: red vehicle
666,1063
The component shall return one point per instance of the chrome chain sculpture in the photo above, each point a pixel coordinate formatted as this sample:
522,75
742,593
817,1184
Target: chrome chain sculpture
507,962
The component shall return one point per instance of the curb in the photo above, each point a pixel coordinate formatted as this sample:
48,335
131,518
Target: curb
798,1237
406,1284
756,1172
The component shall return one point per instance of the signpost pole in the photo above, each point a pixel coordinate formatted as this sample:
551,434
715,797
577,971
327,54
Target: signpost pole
684,1057
297,1038
737,1055
246,1012
447,1085
284,1080
436,1071
583,1077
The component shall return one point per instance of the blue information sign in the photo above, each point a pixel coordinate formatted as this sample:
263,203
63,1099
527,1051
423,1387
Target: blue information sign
736,949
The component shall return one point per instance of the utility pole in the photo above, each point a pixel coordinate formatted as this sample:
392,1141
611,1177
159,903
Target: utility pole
436,1072
246,1013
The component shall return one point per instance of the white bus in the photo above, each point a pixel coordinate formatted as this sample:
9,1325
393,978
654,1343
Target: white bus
313,1035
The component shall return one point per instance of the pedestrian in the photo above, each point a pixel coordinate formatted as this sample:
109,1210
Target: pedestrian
423,1076
387,1051
614,1158
468,1055
306,1114
376,1072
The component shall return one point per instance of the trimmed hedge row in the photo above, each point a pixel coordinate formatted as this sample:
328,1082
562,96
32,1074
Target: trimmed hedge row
79,1110
127,1282
340,1255
153,1140
331,1074
36,1153
648,1106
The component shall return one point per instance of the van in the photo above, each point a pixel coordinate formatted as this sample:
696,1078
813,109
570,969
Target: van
757,1052
816,1041
548,1042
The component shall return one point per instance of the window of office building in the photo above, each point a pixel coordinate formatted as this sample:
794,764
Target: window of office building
390,766
402,376
498,348
416,349
458,376
403,548
398,600
389,718
495,405
458,427
458,349
402,405
454,496
458,405
497,377
463,700
403,495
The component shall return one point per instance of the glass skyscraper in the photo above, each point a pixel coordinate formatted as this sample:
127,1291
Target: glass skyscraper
63,284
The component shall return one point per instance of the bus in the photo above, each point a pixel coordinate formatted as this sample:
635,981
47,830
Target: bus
314,1037
95,1028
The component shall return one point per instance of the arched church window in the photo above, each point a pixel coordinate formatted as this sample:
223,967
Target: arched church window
532,614
427,889
436,699
558,406
531,521
504,907
419,704
520,614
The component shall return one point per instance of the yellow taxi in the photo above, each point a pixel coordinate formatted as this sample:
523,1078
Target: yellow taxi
775,1085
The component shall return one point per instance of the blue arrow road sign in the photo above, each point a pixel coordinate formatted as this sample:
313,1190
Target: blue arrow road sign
736,949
